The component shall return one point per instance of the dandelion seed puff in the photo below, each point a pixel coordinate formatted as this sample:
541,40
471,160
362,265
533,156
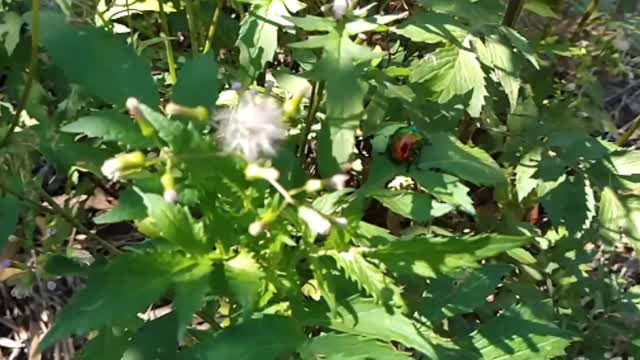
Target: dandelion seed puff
253,128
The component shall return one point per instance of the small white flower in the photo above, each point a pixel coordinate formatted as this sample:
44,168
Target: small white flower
316,222
111,169
338,181
254,172
256,228
170,196
340,8
253,128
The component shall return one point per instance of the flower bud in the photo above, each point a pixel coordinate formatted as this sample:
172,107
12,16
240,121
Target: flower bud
170,196
257,227
133,105
340,8
199,113
256,172
313,185
337,181
148,227
122,164
291,107
316,222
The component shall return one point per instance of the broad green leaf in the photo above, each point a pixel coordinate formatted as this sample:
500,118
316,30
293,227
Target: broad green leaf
521,333
446,153
461,292
245,278
418,206
368,276
450,71
619,216
476,12
431,28
267,338
571,203
10,210
365,318
258,39
97,60
189,296
109,344
130,207
111,126
173,132
446,188
10,30
175,224
525,171
428,256
156,339
507,66
541,8
65,153
333,346
198,83
626,162
119,291
64,266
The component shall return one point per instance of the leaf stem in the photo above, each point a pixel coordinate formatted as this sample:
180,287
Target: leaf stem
316,94
593,6
167,43
629,133
191,21
512,14
33,68
214,25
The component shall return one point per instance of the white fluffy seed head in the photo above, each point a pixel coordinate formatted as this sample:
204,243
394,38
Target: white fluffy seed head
253,128
317,223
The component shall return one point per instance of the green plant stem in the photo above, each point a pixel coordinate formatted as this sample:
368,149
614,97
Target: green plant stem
512,14
33,68
191,21
167,43
593,6
629,133
129,22
214,25
316,94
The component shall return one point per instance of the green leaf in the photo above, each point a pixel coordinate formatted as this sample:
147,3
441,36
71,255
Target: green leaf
413,205
619,216
525,171
245,278
446,188
571,203
541,8
97,60
365,318
175,224
130,207
258,39
428,256
64,266
172,132
110,125
269,337
155,340
626,162
189,296
118,291
334,346
506,65
198,82
462,292
445,152
476,12
10,210
431,28
109,344
451,71
368,276
10,30
521,333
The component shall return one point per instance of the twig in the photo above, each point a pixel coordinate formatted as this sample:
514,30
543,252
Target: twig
167,44
512,14
629,133
33,67
214,25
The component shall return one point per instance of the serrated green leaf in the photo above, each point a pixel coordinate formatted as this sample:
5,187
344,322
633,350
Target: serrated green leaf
258,38
619,216
451,71
476,12
445,152
428,256
333,346
110,125
175,224
571,203
506,65
245,278
130,207
368,276
156,339
10,210
118,291
10,30
521,333
626,162
431,28
198,82
97,60
418,206
446,188
525,171
269,337
461,292
189,296
109,344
